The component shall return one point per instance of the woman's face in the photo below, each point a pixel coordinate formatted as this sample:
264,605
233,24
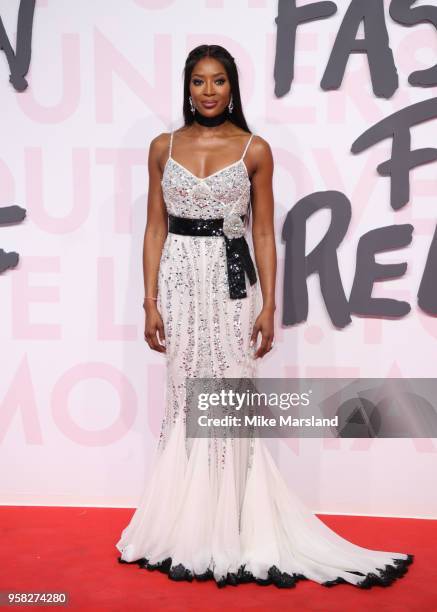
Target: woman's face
210,89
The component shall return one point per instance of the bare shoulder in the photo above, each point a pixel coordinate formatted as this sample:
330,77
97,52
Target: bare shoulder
260,153
160,142
158,150
260,147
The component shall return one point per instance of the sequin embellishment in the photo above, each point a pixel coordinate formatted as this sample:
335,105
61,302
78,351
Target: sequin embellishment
207,332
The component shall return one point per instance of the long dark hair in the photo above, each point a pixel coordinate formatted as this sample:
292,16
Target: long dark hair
224,57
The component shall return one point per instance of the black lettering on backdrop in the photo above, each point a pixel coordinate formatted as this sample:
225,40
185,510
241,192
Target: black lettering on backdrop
19,62
368,271
10,215
402,12
427,295
18,66
289,17
322,259
403,159
375,44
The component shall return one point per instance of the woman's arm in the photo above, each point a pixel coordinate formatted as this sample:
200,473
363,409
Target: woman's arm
263,234
154,237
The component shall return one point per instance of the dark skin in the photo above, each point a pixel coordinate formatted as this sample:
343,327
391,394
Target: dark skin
203,151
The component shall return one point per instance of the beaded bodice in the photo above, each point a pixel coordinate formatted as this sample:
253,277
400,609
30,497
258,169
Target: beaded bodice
217,195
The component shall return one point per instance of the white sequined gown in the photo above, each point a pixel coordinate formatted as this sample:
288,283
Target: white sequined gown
214,508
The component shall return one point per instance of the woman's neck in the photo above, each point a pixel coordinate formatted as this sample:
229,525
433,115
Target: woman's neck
211,121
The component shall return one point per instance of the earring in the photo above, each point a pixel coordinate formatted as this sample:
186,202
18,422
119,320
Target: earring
193,110
231,105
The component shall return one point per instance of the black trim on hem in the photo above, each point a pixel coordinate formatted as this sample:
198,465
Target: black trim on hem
282,580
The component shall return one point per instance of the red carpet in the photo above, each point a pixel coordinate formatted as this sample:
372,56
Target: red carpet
72,550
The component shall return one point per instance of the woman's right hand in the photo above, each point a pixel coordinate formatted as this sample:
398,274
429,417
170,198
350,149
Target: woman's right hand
154,328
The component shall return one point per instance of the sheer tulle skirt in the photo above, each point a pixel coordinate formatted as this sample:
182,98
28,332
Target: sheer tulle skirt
191,523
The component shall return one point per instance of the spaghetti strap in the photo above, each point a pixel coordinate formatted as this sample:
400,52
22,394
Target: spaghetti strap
171,144
247,146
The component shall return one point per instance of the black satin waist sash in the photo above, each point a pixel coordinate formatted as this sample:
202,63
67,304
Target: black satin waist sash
237,250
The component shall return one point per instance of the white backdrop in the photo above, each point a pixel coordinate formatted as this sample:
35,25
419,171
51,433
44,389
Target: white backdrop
81,394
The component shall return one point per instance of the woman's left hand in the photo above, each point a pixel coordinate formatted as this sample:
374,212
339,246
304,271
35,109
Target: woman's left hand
264,324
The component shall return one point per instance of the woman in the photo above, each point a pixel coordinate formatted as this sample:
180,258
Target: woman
218,508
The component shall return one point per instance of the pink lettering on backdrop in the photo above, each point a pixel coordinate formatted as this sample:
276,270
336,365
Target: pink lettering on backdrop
293,163
292,370
429,324
215,4
353,98
424,200
109,62
81,373
155,5
19,401
24,294
357,99
221,4
78,189
7,184
332,371
372,331
283,110
122,162
70,94
279,330
313,334
332,171
410,46
107,329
